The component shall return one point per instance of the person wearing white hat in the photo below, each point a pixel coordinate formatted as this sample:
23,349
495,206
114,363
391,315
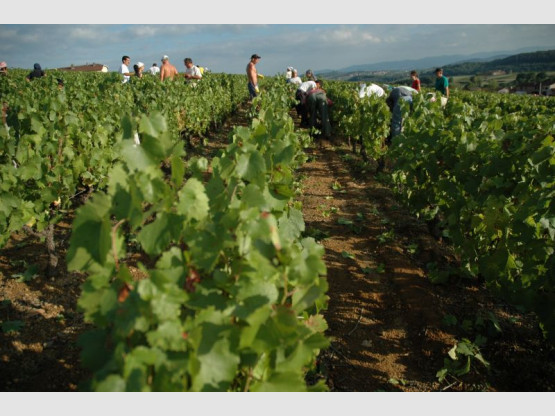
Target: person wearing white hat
289,72
295,78
167,70
3,68
139,67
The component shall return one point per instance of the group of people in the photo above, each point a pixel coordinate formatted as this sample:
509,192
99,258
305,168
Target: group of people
165,71
292,76
313,105
37,71
405,93
313,102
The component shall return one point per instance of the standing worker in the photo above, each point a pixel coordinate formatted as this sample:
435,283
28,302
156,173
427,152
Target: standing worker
252,76
415,80
124,70
167,70
37,72
154,70
442,83
191,70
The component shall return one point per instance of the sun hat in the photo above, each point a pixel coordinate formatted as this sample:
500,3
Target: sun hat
140,65
3,64
165,57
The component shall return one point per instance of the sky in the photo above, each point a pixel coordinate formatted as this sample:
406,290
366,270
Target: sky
223,39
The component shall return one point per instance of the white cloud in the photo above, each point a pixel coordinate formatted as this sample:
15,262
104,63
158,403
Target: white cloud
83,33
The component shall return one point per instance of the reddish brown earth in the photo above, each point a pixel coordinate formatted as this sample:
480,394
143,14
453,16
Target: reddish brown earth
385,317
387,322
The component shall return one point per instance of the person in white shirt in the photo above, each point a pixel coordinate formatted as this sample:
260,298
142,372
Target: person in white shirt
372,89
124,70
191,70
289,72
300,95
295,78
154,70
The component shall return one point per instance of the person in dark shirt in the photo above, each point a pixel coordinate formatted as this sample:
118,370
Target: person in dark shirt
37,72
318,105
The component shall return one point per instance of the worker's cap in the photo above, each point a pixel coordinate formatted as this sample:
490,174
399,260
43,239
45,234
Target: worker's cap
3,65
255,56
140,65
165,58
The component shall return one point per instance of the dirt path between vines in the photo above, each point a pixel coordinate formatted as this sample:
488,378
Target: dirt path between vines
387,322
391,328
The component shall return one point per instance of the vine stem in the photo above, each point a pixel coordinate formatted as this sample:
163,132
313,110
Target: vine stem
249,378
114,248
356,325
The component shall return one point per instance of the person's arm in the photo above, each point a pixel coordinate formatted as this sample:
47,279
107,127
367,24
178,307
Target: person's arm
196,73
447,92
127,74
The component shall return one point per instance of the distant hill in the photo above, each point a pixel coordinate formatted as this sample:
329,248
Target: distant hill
523,62
452,65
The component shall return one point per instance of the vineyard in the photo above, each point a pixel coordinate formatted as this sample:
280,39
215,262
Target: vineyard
177,237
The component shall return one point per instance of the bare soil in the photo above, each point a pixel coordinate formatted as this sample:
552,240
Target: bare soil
391,328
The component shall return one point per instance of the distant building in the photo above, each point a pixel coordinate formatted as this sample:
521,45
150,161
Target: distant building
503,91
499,72
86,68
